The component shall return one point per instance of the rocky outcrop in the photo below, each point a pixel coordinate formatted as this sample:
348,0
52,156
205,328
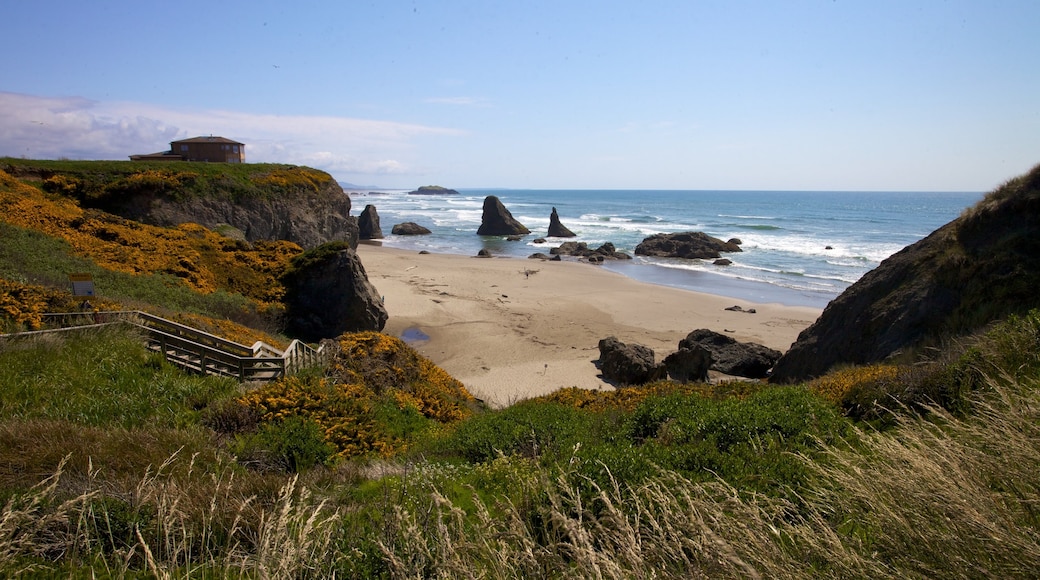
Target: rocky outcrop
409,229
557,229
689,364
689,245
497,221
582,250
433,190
368,224
327,293
628,364
309,214
979,268
731,357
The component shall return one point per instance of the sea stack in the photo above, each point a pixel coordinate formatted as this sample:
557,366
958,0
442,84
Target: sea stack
497,221
368,224
556,229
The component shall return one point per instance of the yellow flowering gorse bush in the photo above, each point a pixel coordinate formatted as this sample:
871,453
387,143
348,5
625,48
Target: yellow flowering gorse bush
203,259
837,385
370,369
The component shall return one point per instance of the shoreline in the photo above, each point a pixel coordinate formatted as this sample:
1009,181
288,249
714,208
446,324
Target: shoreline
513,328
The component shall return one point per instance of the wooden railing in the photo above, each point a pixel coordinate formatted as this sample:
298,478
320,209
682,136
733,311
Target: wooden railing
198,351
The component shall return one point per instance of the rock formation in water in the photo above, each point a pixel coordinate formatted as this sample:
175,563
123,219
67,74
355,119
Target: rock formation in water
689,245
433,190
497,221
557,229
368,224
409,229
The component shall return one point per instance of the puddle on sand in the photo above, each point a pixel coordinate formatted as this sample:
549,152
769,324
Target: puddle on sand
413,334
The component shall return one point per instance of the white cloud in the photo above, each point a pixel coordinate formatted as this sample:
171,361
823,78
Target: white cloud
73,127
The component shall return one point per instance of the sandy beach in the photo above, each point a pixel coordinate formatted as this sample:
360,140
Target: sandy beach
511,328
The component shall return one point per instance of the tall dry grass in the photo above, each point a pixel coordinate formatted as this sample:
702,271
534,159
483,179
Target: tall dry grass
169,527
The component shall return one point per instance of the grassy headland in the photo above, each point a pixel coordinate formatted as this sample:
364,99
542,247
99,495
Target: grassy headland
114,464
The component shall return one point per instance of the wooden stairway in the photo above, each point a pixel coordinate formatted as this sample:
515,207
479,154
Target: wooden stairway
196,351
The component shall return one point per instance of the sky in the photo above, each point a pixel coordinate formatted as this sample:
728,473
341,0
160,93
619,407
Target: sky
895,95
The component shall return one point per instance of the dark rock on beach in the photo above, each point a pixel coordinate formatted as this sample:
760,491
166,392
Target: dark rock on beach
977,269
368,224
689,364
689,245
628,364
731,357
557,229
409,229
497,221
331,295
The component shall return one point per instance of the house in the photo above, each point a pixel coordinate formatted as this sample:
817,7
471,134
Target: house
211,149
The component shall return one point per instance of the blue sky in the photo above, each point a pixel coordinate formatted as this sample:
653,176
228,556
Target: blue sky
823,94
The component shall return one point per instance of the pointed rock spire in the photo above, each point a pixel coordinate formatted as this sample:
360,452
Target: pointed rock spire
556,229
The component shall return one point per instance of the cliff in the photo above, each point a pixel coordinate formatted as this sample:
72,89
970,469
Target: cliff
263,201
977,269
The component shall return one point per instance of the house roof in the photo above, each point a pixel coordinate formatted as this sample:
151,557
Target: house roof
207,139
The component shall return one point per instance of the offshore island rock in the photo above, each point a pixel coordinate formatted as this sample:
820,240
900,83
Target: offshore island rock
368,224
409,229
497,221
688,245
327,293
433,190
557,229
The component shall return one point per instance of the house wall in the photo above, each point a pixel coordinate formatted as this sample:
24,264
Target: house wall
214,152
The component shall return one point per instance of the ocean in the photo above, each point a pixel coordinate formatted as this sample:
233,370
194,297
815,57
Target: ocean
800,248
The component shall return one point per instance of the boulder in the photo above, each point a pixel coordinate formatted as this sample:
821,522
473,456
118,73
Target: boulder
368,224
722,262
582,250
688,245
628,364
409,229
557,229
978,269
327,293
483,253
497,221
731,357
688,365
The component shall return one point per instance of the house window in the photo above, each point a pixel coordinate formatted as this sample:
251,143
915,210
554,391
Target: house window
235,148
184,148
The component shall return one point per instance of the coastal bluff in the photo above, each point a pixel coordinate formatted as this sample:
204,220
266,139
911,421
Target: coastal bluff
978,269
261,201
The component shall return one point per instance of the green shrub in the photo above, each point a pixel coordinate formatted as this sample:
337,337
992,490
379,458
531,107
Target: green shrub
529,428
292,444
